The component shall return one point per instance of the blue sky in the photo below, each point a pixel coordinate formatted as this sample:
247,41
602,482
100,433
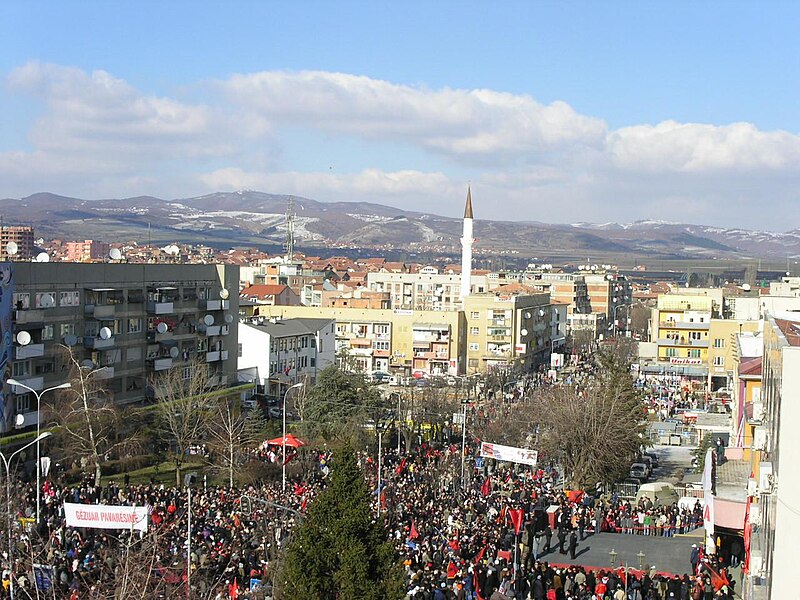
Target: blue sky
683,111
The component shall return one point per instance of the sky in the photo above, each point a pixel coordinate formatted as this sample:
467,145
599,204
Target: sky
558,112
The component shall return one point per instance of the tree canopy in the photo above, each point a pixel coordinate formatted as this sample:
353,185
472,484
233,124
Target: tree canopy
339,550
594,430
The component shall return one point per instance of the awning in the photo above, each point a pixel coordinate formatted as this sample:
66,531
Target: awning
729,514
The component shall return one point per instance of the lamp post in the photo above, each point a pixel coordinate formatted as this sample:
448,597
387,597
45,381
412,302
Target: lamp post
7,465
38,395
641,557
283,439
614,315
612,557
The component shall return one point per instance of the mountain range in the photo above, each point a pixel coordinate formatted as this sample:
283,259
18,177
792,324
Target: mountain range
251,218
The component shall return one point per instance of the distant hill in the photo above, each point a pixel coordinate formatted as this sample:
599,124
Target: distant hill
250,217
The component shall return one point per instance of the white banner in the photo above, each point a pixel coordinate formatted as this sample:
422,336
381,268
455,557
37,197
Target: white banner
708,497
509,453
101,516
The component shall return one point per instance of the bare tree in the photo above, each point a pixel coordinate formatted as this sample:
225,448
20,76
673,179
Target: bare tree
227,435
90,423
183,409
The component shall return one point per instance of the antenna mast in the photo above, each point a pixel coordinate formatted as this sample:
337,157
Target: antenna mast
289,244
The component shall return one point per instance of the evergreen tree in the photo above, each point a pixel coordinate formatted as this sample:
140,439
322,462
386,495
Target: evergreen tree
339,403
339,551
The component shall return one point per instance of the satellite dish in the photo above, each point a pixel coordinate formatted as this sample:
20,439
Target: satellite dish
43,257
162,327
12,248
115,254
541,312
523,332
23,338
208,320
229,318
70,339
47,301
105,333
87,364
173,352
223,293
527,315
20,420
746,287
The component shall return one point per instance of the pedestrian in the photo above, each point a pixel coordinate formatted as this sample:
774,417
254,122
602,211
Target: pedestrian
573,544
562,537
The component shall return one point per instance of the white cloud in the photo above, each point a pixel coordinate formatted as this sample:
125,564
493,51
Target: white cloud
97,135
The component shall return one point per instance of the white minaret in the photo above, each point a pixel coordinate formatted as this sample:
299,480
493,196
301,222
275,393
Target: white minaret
466,248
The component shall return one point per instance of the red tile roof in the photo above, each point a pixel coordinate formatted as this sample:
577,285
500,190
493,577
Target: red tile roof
260,291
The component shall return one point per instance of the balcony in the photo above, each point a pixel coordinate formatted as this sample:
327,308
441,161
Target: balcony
216,355
684,325
101,311
218,380
28,316
35,383
214,330
214,304
29,351
154,335
97,343
106,372
160,308
683,342
161,363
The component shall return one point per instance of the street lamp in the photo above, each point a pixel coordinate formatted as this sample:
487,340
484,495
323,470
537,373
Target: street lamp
7,465
38,395
641,557
614,315
612,557
283,439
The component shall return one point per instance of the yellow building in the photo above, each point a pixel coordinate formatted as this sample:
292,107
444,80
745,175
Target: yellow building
507,330
722,352
408,341
679,327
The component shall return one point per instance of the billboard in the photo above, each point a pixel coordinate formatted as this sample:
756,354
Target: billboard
509,453
101,516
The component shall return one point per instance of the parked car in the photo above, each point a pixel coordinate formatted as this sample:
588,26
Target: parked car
249,403
380,377
639,471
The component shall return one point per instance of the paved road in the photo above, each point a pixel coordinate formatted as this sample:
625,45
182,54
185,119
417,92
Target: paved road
670,555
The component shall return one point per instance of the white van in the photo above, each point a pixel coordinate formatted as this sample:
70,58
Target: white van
660,493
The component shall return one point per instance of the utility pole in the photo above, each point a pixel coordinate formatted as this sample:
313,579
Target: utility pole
463,441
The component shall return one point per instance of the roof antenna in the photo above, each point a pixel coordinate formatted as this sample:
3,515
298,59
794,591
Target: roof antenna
289,244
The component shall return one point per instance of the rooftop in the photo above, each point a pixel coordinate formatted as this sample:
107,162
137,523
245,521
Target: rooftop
791,330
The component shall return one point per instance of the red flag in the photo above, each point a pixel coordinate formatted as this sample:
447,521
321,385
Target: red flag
383,499
400,467
414,533
503,513
454,545
303,505
479,556
452,570
233,590
504,555
486,488
516,515
717,579
299,490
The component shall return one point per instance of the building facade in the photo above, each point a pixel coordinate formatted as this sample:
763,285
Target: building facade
22,237
132,321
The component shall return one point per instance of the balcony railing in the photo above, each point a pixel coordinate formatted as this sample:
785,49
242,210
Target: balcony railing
35,383
683,342
160,308
29,316
161,364
214,304
99,311
98,343
29,351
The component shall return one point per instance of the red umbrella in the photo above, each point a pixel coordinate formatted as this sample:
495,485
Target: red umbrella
291,441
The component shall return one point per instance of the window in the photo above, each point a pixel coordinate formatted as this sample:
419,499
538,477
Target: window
135,325
186,373
239,351
719,361
474,347
45,300
22,301
48,331
67,329
671,352
22,403
473,363
694,353
474,330
719,342
20,368
135,297
474,314
313,362
69,298
380,345
134,353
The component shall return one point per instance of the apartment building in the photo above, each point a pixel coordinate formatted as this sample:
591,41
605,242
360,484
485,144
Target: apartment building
22,238
722,354
135,321
507,330
774,519
275,354
609,294
566,288
405,341
424,291
680,329
86,251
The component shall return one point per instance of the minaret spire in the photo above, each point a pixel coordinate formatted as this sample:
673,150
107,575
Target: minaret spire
466,248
